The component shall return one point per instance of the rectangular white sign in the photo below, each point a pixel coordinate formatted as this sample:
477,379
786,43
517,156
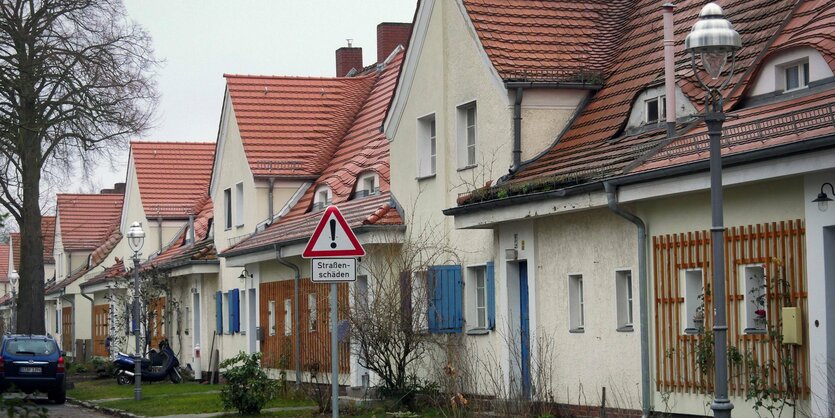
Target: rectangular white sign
333,270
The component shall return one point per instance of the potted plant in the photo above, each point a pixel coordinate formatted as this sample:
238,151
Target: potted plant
759,317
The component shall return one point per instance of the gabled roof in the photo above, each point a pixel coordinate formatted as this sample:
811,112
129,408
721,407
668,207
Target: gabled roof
87,220
363,148
550,40
94,260
172,176
290,126
594,148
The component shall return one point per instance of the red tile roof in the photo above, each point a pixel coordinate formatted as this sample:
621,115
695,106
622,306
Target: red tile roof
549,39
88,220
376,210
363,148
112,272
172,176
4,263
48,231
639,63
97,256
290,126
180,251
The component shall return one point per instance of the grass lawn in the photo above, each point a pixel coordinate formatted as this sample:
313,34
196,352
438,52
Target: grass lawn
165,398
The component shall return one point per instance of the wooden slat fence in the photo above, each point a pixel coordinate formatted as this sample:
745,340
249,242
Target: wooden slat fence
101,328
156,321
779,248
66,328
315,331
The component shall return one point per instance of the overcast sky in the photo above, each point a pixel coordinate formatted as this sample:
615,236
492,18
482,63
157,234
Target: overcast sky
200,40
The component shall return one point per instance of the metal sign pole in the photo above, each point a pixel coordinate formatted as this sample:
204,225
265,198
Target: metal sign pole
334,355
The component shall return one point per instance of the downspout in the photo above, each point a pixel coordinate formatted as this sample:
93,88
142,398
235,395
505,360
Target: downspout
159,232
190,238
270,208
669,68
92,305
517,130
296,323
643,297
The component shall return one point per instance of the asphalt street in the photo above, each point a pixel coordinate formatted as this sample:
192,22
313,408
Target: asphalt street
62,411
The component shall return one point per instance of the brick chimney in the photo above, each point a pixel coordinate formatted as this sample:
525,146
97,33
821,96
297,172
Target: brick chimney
389,35
348,57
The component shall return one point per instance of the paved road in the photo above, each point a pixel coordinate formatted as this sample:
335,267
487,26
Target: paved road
64,411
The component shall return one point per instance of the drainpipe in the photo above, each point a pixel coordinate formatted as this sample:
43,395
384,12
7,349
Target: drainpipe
611,196
190,238
296,324
159,233
669,68
270,208
517,130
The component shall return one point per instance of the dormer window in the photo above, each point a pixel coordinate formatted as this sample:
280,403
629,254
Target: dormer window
322,198
368,184
655,110
796,75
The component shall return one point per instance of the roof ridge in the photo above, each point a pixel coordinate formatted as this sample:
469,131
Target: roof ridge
293,77
162,141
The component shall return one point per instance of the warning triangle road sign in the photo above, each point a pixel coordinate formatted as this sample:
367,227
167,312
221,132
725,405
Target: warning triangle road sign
333,238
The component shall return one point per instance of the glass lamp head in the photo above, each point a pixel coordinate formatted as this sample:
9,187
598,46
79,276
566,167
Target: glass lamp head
136,236
713,39
13,278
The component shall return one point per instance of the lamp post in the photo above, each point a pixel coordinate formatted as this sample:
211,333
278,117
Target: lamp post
13,278
713,39
136,237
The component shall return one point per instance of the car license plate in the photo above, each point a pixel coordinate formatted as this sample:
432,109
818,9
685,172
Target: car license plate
30,369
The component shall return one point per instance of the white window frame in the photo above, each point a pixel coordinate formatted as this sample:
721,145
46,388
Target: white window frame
427,146
288,317
576,303
312,313
477,278
239,205
662,109
322,192
368,184
624,298
802,66
225,314
467,134
227,208
271,318
692,285
751,280
242,314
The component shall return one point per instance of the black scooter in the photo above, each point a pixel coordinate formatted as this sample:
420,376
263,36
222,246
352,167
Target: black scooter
159,365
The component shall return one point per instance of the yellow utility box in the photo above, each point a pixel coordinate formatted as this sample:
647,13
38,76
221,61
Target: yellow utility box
792,326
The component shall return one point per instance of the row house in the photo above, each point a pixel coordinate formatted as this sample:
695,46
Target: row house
6,302
87,230
600,241
166,185
353,175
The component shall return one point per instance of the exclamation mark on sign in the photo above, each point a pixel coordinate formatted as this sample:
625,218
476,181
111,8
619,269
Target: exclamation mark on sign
333,233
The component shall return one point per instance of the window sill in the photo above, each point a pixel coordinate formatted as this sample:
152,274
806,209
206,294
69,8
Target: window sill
426,177
468,167
626,328
577,330
692,331
239,226
478,331
755,331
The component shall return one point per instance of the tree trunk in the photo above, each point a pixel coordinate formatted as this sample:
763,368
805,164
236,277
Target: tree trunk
30,306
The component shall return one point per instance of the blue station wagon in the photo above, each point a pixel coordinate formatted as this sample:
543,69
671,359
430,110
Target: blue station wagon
33,363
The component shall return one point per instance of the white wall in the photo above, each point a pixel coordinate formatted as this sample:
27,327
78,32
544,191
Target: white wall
769,80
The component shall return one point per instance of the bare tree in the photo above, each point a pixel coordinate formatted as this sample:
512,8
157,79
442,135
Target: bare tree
76,77
156,306
389,320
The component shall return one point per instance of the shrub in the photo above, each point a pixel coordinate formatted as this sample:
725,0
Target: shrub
247,387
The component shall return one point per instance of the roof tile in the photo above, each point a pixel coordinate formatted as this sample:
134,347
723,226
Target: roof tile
87,220
172,176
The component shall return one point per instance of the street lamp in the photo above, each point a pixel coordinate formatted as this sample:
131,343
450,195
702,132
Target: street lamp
13,278
714,40
136,237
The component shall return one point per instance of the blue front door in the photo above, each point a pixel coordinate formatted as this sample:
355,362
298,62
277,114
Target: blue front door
525,339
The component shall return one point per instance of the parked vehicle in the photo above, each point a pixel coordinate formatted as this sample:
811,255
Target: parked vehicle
33,363
160,365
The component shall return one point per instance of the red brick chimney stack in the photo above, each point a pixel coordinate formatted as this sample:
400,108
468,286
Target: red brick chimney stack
347,58
389,35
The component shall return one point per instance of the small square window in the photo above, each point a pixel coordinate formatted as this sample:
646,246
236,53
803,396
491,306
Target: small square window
796,76
656,109
576,302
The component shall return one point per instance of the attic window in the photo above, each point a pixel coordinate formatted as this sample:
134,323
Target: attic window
322,198
796,75
655,109
368,184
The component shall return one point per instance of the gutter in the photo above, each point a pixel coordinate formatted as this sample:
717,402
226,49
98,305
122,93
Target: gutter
552,85
296,324
643,297
802,147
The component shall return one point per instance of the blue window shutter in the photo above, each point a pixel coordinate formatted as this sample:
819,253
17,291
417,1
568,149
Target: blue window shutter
236,296
445,305
490,283
219,312
234,325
